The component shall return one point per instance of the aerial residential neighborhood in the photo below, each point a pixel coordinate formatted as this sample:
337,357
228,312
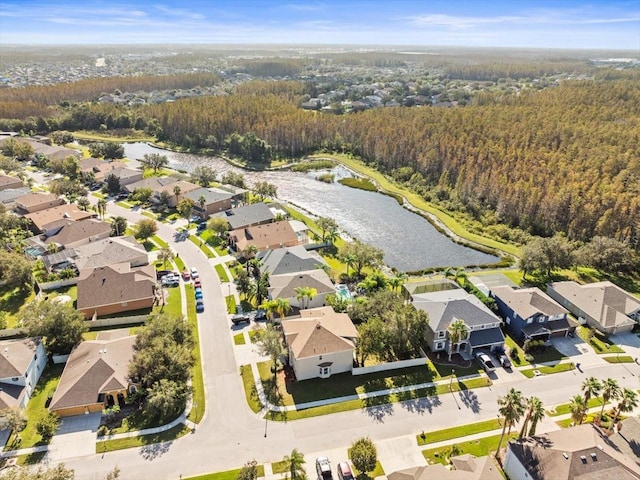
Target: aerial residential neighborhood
405,246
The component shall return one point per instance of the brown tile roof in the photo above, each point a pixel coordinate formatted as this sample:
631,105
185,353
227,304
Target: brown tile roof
284,286
607,303
16,355
9,182
263,236
110,251
185,187
319,331
88,164
467,467
527,302
46,218
94,367
37,199
114,284
84,229
558,455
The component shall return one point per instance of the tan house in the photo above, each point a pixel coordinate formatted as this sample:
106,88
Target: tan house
263,237
321,342
76,234
54,218
22,361
7,182
115,289
215,201
465,467
100,167
184,186
601,305
96,376
284,286
124,175
34,202
580,452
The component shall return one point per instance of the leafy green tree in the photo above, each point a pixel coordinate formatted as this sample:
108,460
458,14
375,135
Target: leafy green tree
47,425
282,307
107,150
305,293
177,191
61,137
118,226
101,206
185,207
13,419
364,455
59,472
328,229
607,254
218,225
165,398
142,195
164,201
165,255
270,344
60,324
362,256
294,465
83,203
233,178
17,149
202,201
265,189
155,161
610,391
545,255
243,282
372,341
203,175
15,270
113,184
457,331
511,408
145,229
260,288
249,471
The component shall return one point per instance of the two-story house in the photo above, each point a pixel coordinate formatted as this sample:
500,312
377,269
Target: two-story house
532,314
22,361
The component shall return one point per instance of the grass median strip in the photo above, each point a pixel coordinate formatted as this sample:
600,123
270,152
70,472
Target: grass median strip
479,448
250,389
238,339
565,408
543,369
457,432
222,275
197,380
620,359
142,440
228,475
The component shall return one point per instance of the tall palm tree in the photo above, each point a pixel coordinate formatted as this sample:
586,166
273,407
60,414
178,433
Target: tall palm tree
300,294
590,388
457,331
511,409
610,391
305,293
294,465
628,401
177,191
202,202
282,307
537,414
578,409
102,207
348,260
533,408
250,251
269,306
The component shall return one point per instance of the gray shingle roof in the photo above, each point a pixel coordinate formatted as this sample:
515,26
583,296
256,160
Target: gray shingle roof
211,195
290,260
248,215
488,336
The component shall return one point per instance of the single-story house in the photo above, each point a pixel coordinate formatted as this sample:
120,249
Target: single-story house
101,253
51,152
185,188
532,314
580,452
465,467
443,307
7,182
22,361
285,284
53,218
75,234
99,167
96,376
126,176
115,289
265,236
215,200
37,201
290,260
9,196
252,214
321,342
152,183
601,305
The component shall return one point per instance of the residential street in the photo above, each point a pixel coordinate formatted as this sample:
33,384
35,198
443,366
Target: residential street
230,434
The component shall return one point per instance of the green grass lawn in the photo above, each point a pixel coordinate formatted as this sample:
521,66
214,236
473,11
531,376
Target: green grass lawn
197,380
228,475
279,467
519,361
377,472
174,303
36,409
159,241
222,274
254,335
565,408
148,214
202,246
550,354
126,205
599,341
238,339
250,389
12,301
619,359
560,367
231,303
179,263
479,448
457,432
142,440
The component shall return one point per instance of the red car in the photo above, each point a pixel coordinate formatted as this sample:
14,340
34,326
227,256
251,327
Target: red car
196,283
186,275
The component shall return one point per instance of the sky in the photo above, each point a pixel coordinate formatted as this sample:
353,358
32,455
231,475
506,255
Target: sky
572,24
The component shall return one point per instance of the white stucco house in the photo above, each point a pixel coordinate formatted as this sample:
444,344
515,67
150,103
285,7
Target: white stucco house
321,342
22,361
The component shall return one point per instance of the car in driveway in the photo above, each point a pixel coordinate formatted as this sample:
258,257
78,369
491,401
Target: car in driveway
323,468
504,361
260,315
199,306
171,280
162,273
485,362
344,471
238,318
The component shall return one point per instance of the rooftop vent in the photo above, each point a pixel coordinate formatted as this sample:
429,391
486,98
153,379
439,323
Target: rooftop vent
584,459
564,454
594,457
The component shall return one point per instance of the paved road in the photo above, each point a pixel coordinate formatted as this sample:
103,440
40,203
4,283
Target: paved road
230,434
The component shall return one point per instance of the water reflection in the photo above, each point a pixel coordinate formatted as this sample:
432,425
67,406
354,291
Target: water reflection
409,242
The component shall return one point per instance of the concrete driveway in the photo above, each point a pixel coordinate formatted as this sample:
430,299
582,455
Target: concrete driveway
76,436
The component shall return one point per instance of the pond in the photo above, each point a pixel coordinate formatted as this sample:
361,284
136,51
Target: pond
409,242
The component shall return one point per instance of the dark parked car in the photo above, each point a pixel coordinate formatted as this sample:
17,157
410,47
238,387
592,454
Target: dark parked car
199,306
260,315
504,361
201,226
240,318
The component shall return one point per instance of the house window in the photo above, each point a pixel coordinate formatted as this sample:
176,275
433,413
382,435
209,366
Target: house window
541,320
529,321
325,371
439,346
508,320
440,334
14,379
482,326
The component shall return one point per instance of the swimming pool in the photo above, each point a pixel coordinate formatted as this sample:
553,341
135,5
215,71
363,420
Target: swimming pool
343,292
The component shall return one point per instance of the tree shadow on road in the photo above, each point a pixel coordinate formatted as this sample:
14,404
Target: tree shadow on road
155,450
377,407
470,400
420,401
